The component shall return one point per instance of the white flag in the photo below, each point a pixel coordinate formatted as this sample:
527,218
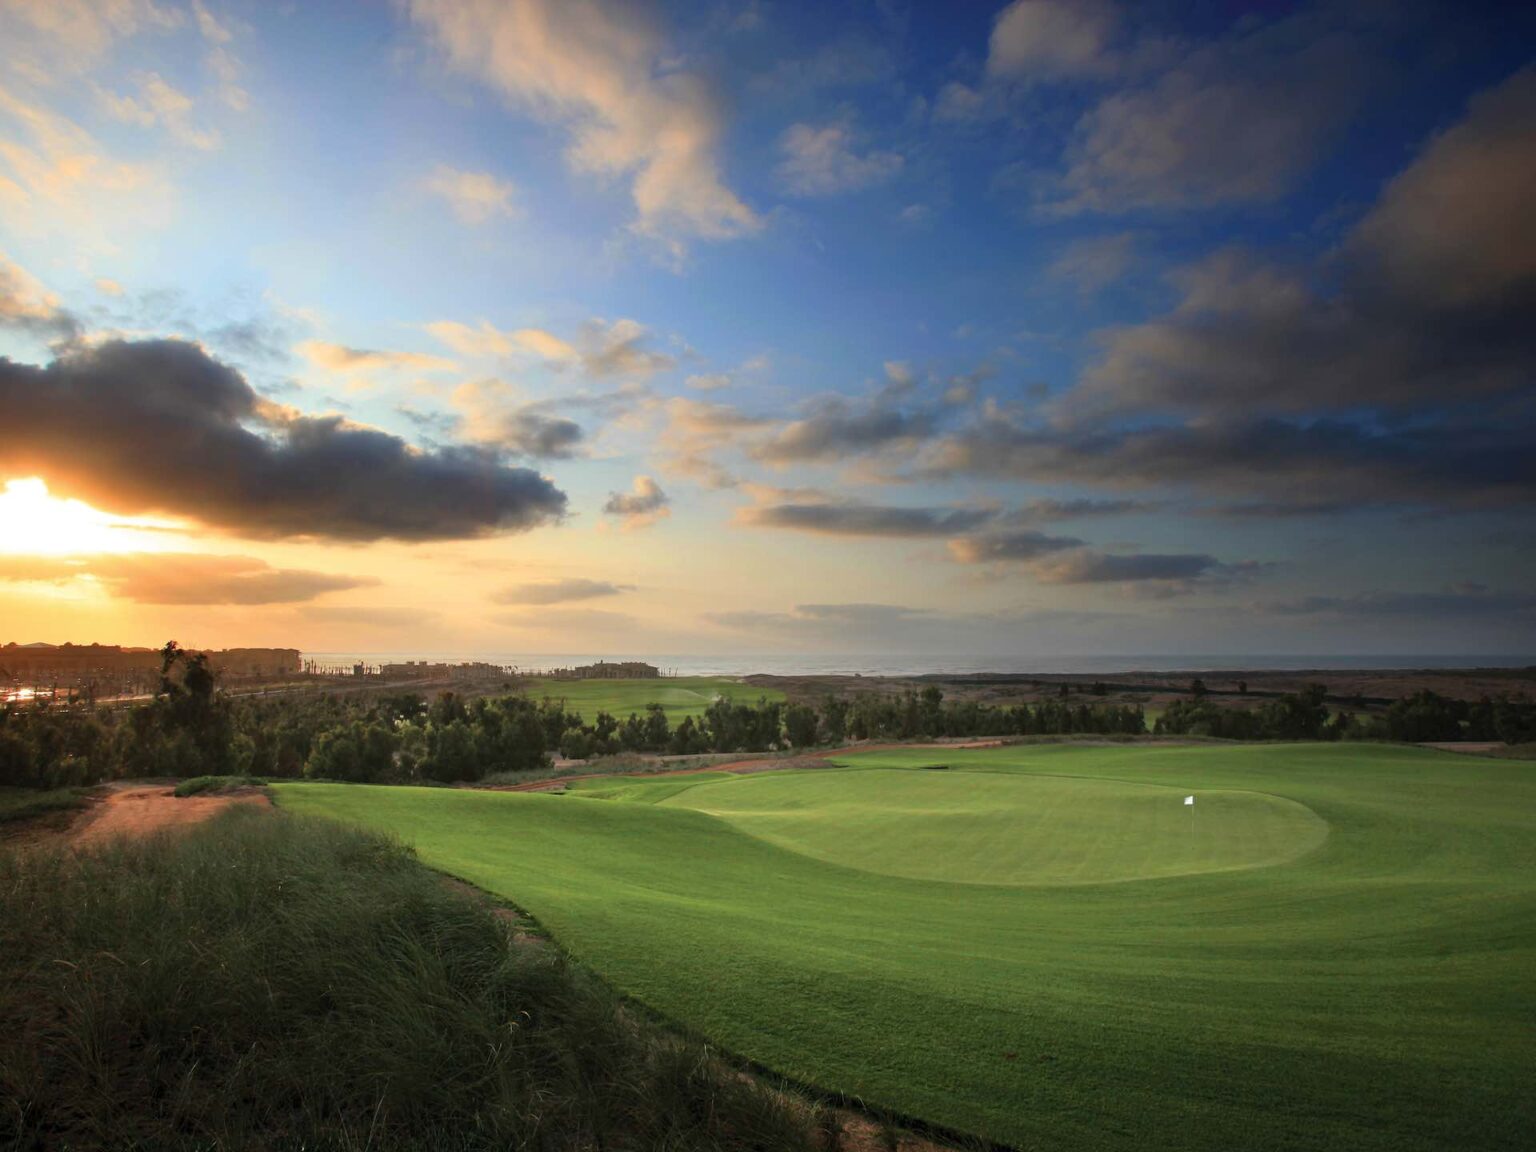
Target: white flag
1189,799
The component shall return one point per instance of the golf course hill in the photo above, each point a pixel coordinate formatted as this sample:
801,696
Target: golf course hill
1049,946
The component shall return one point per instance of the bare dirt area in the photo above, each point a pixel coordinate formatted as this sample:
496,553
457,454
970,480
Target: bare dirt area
142,809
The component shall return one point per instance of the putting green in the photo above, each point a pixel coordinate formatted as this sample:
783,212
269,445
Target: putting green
1370,990
989,828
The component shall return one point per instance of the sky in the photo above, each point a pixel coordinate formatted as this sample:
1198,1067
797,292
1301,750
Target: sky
748,326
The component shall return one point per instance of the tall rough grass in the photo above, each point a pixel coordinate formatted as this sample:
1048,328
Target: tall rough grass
271,982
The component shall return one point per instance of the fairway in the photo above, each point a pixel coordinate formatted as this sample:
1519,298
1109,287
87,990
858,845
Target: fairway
679,696
1044,946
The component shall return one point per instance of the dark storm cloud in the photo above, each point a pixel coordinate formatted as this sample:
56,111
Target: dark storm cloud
183,578
858,519
159,425
560,591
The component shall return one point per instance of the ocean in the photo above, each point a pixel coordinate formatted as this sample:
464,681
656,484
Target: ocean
912,664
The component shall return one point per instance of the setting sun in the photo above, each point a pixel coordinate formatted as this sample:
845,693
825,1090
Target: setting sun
34,523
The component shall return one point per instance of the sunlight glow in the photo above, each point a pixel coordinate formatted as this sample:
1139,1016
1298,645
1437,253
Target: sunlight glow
33,523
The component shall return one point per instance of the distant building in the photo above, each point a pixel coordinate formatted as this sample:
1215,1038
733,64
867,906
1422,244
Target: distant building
603,670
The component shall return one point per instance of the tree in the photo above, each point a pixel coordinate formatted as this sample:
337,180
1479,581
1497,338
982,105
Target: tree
800,724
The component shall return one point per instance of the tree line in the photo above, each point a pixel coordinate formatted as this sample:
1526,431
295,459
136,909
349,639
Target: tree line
1424,717
192,729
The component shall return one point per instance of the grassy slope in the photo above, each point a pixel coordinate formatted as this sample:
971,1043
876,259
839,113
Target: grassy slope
272,983
680,696
1376,992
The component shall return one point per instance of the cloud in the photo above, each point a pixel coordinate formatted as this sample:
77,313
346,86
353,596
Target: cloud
493,415
1048,511
159,103
108,287
641,508
1041,40
74,35
560,592
599,349
219,59
695,432
158,425
27,306
959,103
601,70
475,197
852,518
618,349
711,382
1456,229
1444,465
183,578
823,161
1095,262
834,427
60,174
1432,297
1008,547
1090,567
1231,121
347,361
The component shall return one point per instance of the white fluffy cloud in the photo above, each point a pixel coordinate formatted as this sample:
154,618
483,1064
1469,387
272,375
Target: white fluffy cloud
475,197
1051,39
600,69
825,160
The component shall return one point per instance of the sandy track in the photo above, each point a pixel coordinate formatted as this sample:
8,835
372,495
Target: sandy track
142,809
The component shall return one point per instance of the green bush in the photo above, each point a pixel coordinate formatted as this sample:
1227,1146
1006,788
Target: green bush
201,784
265,981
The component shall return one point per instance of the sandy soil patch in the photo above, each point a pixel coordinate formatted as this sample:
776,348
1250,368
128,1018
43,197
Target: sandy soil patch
141,809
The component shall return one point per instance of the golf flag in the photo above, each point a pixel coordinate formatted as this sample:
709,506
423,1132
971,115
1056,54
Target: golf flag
1189,799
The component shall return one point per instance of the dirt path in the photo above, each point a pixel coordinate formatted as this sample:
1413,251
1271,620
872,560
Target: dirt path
739,767
140,809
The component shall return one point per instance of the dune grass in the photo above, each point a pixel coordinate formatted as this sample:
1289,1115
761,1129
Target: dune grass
679,696
1373,989
272,982
18,804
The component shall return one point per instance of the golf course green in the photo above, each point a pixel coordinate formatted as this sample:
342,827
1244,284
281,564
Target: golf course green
679,696
1333,947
